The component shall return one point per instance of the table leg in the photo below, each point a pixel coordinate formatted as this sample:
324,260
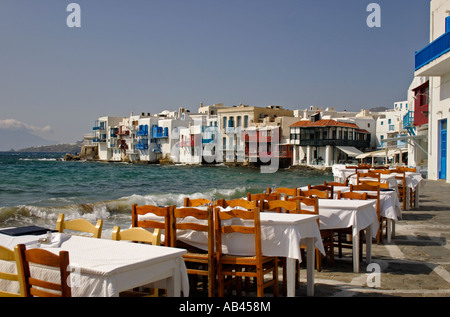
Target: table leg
368,244
310,266
290,274
388,229
355,249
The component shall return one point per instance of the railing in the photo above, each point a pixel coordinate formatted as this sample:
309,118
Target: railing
335,142
143,130
160,132
408,122
435,49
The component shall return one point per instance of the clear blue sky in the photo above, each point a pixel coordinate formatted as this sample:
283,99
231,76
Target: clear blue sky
152,55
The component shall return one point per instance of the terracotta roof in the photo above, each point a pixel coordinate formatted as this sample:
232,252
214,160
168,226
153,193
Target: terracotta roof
324,123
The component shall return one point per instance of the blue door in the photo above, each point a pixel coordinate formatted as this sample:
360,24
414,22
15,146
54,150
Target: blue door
443,150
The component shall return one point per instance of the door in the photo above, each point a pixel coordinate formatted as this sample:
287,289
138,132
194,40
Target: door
443,149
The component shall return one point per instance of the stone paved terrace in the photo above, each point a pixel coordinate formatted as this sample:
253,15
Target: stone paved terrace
415,264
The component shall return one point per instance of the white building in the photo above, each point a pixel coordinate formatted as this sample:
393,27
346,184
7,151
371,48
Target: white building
390,126
432,64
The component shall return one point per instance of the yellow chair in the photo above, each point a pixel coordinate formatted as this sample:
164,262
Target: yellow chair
8,255
80,225
137,235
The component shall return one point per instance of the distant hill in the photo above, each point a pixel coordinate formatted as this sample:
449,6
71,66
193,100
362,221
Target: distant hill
20,139
378,109
58,148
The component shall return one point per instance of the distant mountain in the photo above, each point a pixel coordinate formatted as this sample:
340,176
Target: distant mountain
56,148
20,139
379,109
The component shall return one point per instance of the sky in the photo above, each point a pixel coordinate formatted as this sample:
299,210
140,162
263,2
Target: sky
154,55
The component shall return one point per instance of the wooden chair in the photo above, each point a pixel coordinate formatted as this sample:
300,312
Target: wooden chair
33,286
314,193
9,255
239,202
80,225
287,192
401,183
256,266
259,198
334,184
138,235
198,262
282,206
374,187
376,176
160,219
328,188
374,183
342,234
326,235
188,202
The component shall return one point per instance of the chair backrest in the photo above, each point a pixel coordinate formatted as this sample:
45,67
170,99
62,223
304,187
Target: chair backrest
239,202
368,187
334,184
9,255
315,193
367,175
33,286
289,192
137,234
252,226
308,201
161,221
381,171
282,206
262,196
328,188
194,219
374,183
80,225
188,202
351,195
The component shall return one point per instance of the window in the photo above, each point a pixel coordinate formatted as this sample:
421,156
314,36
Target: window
238,123
245,121
224,122
389,121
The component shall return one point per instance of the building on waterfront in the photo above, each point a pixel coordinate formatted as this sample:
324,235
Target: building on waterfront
430,90
325,141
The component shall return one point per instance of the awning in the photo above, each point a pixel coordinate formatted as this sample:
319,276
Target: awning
350,150
380,153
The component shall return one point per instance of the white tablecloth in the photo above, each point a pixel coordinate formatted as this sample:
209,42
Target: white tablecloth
102,267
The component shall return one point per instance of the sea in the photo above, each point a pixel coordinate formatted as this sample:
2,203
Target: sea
36,187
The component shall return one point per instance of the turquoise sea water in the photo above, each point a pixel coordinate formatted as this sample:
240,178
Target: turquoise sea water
35,187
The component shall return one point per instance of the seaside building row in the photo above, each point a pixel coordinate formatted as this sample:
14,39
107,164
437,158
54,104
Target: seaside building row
250,135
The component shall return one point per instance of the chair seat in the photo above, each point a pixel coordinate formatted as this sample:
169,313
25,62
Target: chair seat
242,260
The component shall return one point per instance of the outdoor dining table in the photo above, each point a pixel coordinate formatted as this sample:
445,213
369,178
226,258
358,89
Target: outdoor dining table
357,214
104,268
390,207
281,236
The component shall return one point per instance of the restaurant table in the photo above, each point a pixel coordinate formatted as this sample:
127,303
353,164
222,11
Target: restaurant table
357,214
413,181
390,207
104,268
384,178
281,236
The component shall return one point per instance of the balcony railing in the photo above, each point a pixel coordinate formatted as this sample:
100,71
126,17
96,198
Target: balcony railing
335,142
435,49
159,132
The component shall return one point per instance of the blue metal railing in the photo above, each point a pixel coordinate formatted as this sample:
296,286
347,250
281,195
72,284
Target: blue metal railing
159,132
408,123
435,49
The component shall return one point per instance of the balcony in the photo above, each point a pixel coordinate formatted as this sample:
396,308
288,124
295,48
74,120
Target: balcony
335,142
159,132
432,60
143,130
